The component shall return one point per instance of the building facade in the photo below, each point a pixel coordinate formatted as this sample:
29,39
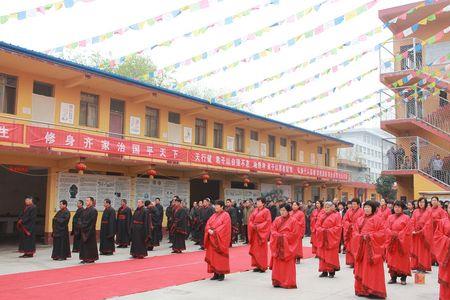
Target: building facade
414,68
69,131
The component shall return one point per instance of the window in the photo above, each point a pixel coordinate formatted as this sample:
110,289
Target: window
319,150
283,142
271,140
293,150
327,157
44,89
254,135
8,92
239,140
174,117
89,110
152,122
200,132
218,135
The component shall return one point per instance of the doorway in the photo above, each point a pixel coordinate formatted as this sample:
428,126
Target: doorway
200,190
116,118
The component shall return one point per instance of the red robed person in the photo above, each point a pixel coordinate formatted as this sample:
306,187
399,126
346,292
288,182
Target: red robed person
368,248
217,242
422,237
398,244
437,214
328,235
313,219
442,253
258,228
283,243
350,218
299,216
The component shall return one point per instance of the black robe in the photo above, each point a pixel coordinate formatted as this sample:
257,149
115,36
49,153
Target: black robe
193,219
60,228
26,226
232,211
88,245
107,231
204,214
153,222
124,219
139,233
169,215
179,228
158,228
76,229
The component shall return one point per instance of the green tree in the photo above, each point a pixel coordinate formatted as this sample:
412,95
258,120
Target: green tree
385,187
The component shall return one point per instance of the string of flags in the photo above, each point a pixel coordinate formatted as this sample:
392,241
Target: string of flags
197,6
289,43
40,10
370,118
228,21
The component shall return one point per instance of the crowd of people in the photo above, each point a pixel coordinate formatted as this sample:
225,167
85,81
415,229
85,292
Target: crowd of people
407,236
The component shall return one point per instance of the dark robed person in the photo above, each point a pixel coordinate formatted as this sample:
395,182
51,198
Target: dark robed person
123,225
398,244
368,247
422,237
193,221
26,226
107,229
258,228
283,242
139,231
442,254
204,214
299,216
153,216
350,218
169,216
232,211
313,219
88,245
160,209
217,241
328,235
76,226
60,233
179,226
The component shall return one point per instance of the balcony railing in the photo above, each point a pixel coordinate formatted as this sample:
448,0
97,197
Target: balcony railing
401,55
417,105
416,154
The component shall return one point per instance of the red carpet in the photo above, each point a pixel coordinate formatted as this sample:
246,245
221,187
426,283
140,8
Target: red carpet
104,280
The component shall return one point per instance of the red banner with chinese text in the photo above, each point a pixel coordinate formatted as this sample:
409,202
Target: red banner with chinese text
11,132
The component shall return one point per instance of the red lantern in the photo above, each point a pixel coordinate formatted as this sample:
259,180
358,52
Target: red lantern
278,182
81,167
205,178
246,181
151,173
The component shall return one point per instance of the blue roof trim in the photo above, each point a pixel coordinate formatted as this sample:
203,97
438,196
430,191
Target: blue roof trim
95,71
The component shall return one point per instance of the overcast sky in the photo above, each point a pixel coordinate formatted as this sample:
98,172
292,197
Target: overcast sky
84,20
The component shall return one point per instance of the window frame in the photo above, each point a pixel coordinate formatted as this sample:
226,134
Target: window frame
52,86
293,150
216,138
148,122
6,107
253,134
239,139
96,102
201,131
271,143
178,116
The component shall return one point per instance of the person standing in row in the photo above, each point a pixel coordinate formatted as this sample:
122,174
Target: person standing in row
351,217
299,216
231,210
124,219
368,248
205,213
437,214
314,216
283,242
88,245
246,212
169,216
107,229
179,226
158,228
422,237
217,241
139,231
328,235
76,227
60,234
442,252
154,221
259,224
398,244
193,222
26,226
383,210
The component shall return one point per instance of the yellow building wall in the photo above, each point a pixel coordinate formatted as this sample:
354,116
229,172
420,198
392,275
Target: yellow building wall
423,184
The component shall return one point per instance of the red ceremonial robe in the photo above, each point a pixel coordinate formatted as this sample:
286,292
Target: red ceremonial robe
328,234
283,243
421,240
258,228
398,244
442,252
350,218
437,214
313,220
299,216
384,213
217,244
367,244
